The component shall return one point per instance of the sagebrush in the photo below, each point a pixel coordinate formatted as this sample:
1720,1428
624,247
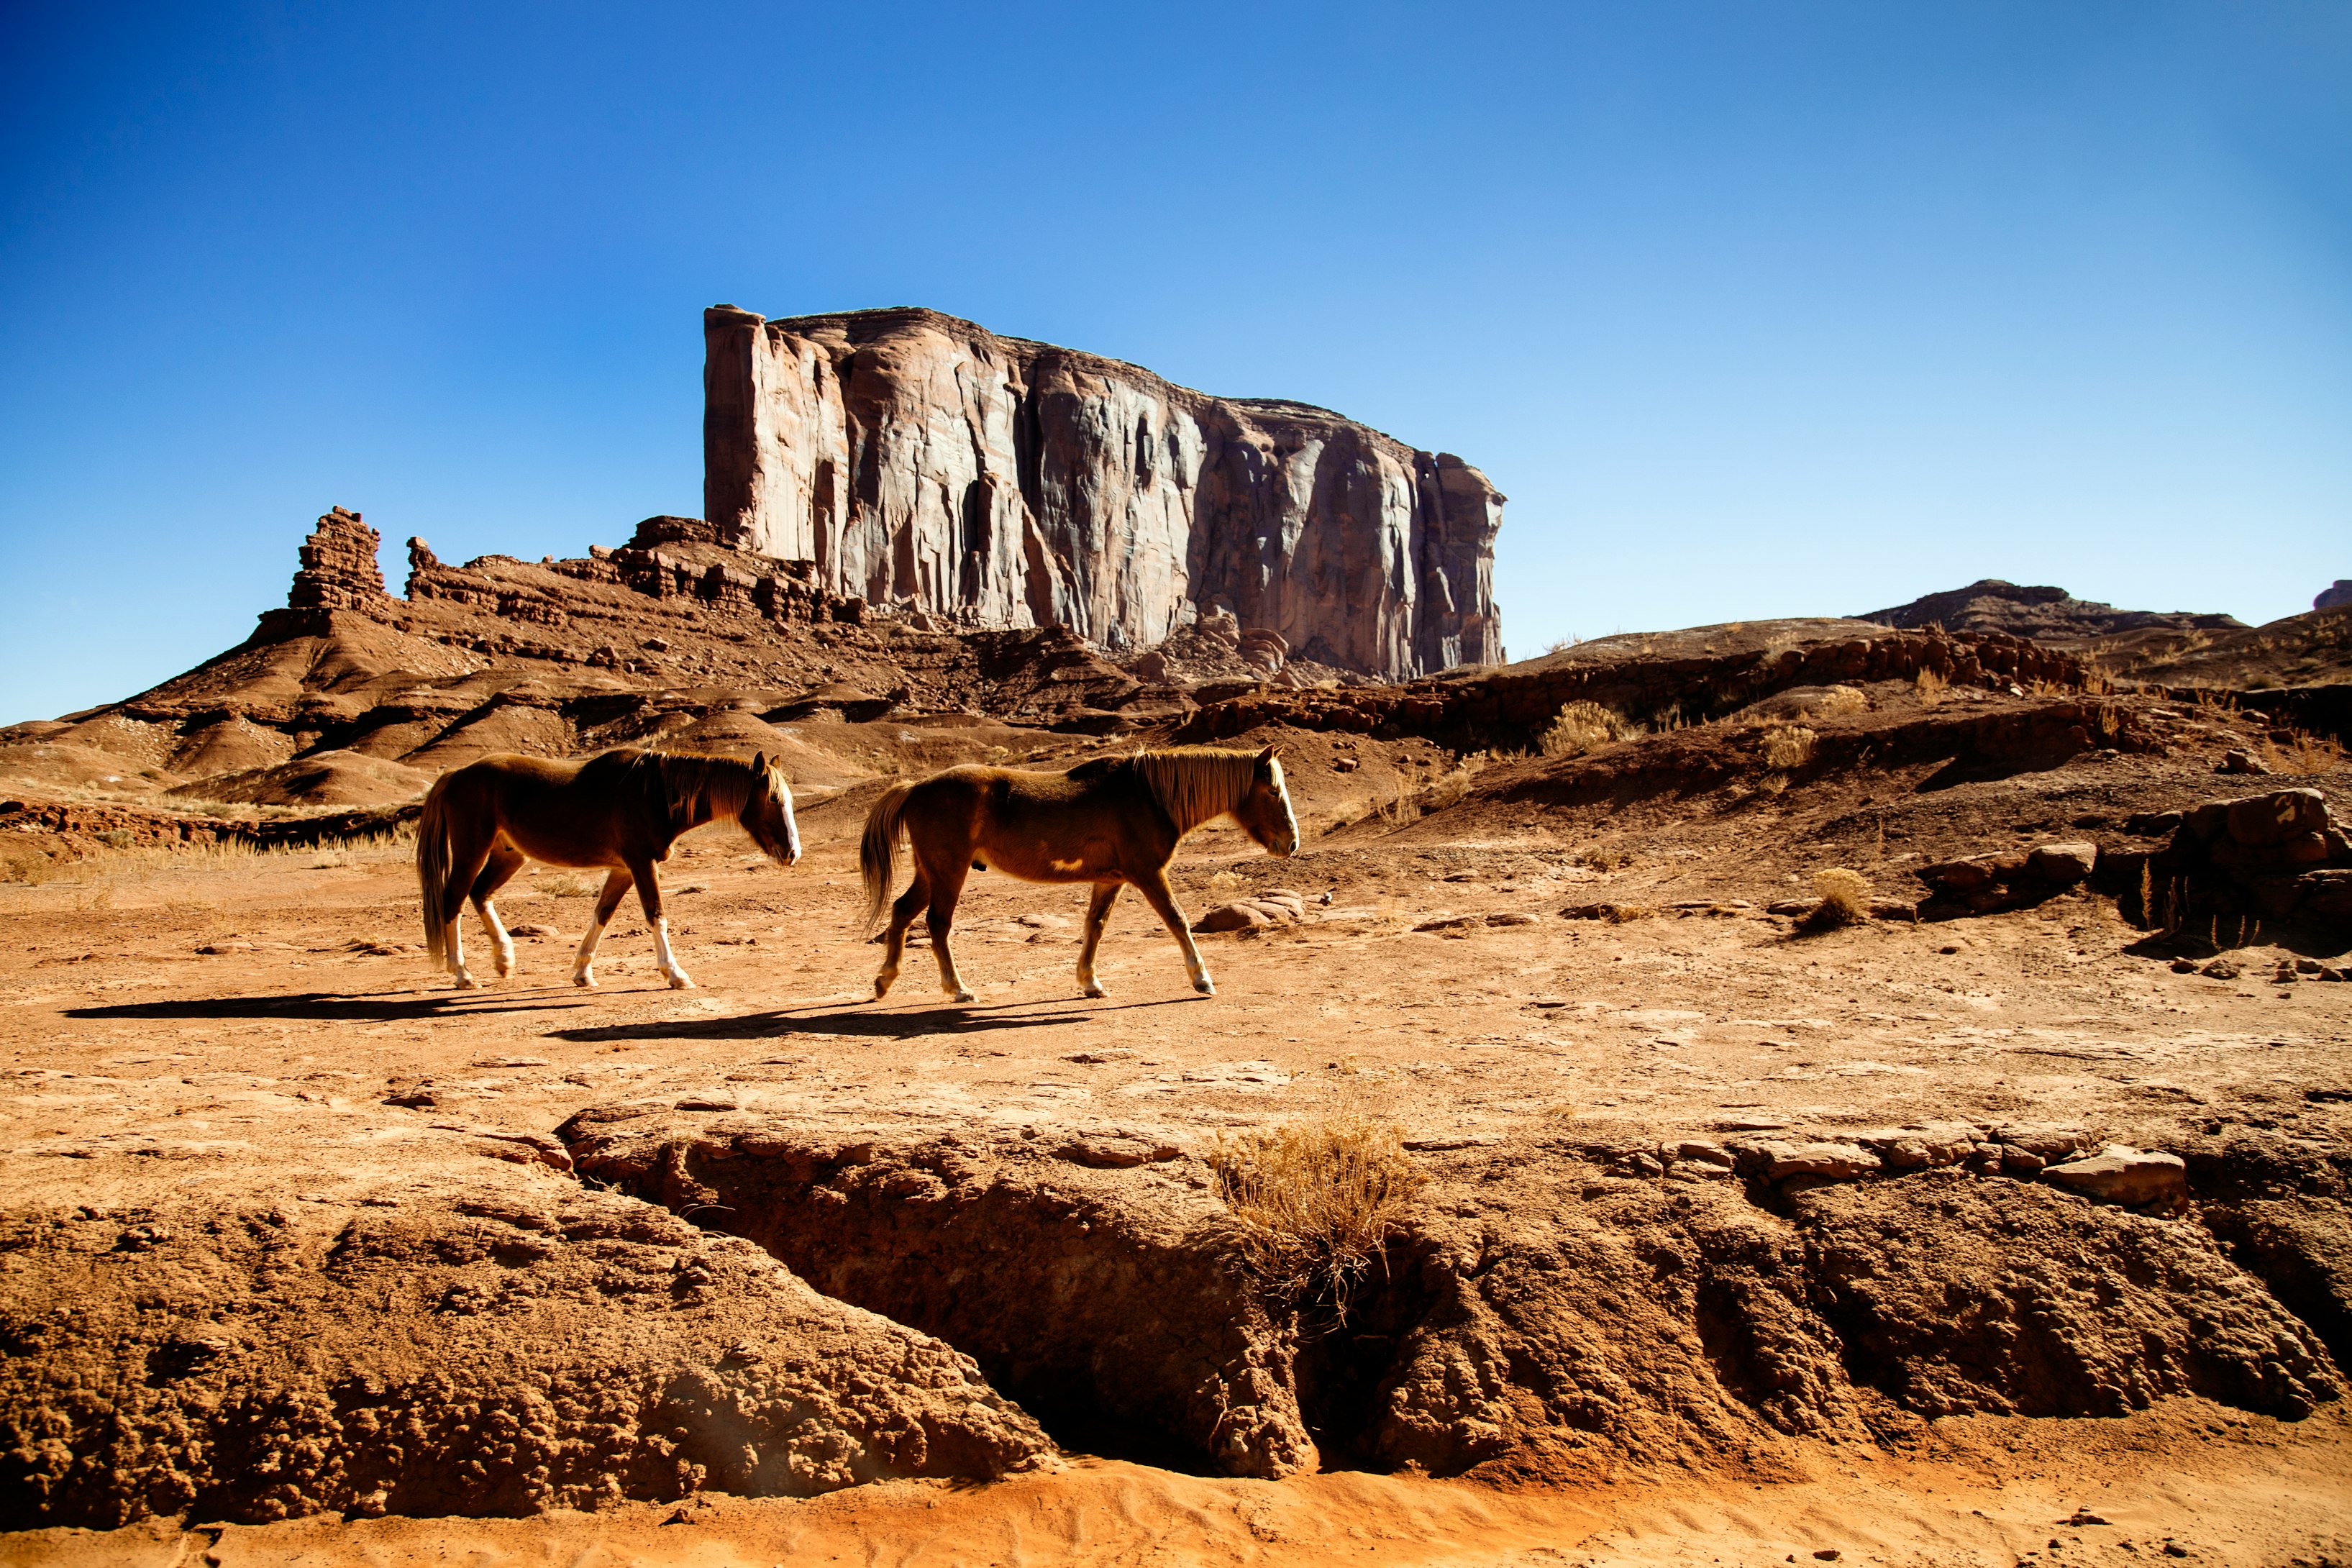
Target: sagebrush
1844,895
1316,1200
1788,747
1580,727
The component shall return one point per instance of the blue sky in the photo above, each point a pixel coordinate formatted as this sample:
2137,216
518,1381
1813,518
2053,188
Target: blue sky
1752,309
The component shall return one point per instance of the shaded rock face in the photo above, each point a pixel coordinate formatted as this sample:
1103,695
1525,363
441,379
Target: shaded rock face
1993,605
2334,597
1006,482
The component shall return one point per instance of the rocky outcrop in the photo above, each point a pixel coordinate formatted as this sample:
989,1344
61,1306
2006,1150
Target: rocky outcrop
2042,613
911,455
338,570
2334,597
2229,865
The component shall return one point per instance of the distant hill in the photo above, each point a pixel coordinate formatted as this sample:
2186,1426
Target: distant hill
2044,613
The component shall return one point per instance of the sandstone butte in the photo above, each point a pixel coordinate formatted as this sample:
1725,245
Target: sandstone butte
914,456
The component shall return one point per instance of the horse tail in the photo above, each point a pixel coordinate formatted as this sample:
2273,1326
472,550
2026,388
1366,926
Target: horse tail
433,866
878,853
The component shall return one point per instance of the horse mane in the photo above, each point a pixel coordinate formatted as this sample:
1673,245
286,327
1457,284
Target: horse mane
1195,783
727,782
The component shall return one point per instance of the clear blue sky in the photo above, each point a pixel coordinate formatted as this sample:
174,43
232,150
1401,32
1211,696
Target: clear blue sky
1752,309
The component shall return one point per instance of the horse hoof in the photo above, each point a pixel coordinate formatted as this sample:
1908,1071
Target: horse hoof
585,981
681,982
1205,986
467,983
965,996
1093,990
881,989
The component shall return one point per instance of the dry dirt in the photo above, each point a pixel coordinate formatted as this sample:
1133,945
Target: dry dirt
252,1145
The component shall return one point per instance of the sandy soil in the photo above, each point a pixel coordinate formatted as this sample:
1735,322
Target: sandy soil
265,1022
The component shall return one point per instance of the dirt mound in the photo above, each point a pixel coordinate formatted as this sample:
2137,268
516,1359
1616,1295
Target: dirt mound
251,1364
321,778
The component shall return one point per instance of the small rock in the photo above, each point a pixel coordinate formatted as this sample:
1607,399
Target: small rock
1232,917
2240,762
2220,969
1793,907
706,1102
2063,865
533,931
2123,1175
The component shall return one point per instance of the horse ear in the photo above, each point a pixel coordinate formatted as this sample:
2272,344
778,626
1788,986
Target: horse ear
1265,755
760,761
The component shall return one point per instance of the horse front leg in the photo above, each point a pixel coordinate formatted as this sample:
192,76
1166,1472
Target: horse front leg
650,897
1097,917
1153,886
616,888
894,941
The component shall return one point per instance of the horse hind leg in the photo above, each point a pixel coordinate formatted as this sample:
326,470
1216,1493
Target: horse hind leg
945,889
1098,916
583,962
504,862
903,911
469,852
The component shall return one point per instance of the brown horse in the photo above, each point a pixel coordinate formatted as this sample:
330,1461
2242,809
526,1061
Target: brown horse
1112,822
620,810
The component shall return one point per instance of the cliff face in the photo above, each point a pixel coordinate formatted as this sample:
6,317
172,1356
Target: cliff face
1006,482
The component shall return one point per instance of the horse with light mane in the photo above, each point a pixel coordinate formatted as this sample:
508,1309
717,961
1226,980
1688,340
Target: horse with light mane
1113,821
619,811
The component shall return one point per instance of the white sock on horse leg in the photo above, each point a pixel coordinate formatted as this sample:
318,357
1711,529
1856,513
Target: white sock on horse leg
583,962
501,942
662,955
466,981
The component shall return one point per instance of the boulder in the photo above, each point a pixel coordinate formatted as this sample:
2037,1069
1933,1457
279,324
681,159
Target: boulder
2063,864
2118,1175
2261,820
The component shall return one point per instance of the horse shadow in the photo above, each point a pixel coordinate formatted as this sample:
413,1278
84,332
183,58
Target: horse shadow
847,1024
326,1006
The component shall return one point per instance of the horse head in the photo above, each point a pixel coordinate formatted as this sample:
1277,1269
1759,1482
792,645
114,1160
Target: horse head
1264,811
767,814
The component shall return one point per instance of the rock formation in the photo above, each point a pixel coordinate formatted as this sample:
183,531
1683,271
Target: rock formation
2047,614
911,455
2334,597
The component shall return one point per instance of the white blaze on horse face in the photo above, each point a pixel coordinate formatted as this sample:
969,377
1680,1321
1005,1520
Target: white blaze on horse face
1282,793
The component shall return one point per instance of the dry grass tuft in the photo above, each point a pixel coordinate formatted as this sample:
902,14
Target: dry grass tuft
1316,1199
566,886
1931,686
2304,753
1581,727
1788,747
1844,895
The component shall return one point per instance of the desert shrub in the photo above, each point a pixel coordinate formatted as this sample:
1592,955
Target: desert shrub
1227,886
566,886
1931,686
1602,857
1844,895
1562,645
1580,727
1315,1200
1787,747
